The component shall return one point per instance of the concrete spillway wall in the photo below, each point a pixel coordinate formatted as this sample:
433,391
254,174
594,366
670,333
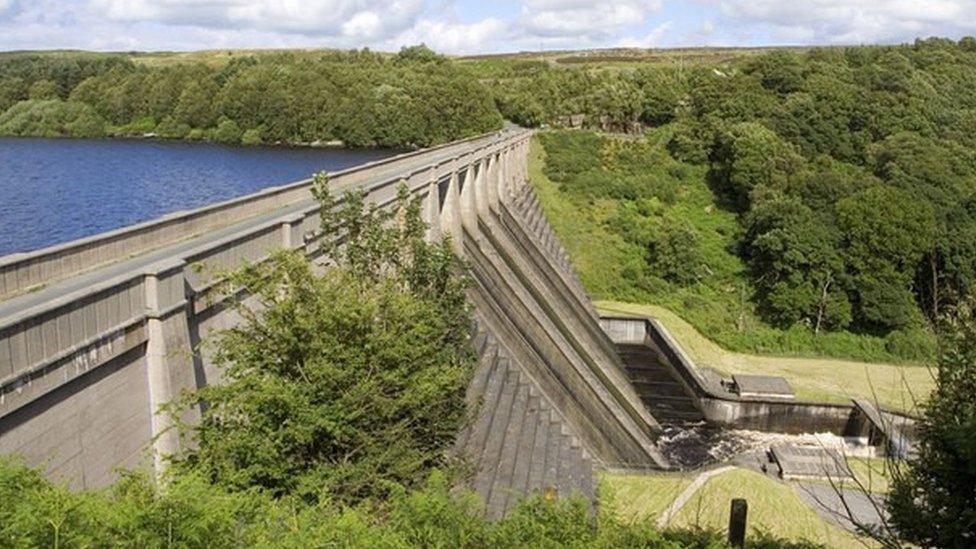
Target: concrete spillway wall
645,344
96,335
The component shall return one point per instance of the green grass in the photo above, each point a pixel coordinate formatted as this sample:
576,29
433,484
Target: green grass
823,379
774,507
640,497
720,303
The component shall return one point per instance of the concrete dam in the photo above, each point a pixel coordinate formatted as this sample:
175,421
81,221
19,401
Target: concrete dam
97,334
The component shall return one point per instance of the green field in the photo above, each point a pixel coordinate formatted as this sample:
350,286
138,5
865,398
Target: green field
774,507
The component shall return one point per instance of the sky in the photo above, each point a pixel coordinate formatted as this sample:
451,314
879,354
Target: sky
472,26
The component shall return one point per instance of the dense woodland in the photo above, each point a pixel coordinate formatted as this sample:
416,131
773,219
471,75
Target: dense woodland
850,174
841,179
412,99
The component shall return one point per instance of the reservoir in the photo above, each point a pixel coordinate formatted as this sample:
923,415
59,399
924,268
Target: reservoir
57,190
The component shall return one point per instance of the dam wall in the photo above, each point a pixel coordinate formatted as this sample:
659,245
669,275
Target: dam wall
98,334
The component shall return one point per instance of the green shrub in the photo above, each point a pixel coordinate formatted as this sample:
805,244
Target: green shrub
912,343
52,118
344,384
570,153
251,137
139,127
227,132
171,128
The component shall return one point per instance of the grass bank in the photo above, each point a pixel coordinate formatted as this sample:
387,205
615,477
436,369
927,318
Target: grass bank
774,507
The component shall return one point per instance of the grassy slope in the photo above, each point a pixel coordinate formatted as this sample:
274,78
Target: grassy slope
774,507
640,497
832,380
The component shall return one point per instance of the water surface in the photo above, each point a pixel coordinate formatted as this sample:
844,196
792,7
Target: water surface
57,190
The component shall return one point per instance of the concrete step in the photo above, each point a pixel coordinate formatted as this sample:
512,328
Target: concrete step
502,484
477,397
678,404
475,443
492,452
537,467
564,484
526,445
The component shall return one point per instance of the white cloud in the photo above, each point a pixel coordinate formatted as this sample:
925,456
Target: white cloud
454,37
584,20
358,19
854,21
649,40
471,26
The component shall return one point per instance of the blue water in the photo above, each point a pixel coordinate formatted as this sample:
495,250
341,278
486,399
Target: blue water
57,190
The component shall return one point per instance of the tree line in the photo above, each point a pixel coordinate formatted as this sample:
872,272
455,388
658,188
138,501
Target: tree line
360,98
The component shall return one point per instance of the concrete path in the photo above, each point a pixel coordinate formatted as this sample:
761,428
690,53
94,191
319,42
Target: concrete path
688,492
840,508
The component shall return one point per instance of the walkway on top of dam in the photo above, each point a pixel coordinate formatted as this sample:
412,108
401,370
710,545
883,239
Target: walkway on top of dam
384,171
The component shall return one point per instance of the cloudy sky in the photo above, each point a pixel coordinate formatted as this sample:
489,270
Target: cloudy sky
470,26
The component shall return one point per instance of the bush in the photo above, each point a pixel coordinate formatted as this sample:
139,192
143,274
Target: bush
171,128
139,127
570,153
227,132
345,384
193,513
251,137
912,344
52,118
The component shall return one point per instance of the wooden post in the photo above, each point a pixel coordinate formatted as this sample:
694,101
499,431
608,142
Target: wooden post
737,523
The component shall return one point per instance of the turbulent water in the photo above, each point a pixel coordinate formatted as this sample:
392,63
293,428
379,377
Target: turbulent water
54,190
689,447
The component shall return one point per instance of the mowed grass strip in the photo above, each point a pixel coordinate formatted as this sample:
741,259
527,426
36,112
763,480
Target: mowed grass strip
823,379
774,507
640,497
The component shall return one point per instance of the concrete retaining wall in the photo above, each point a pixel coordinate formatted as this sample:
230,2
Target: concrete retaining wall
729,409
87,360
63,346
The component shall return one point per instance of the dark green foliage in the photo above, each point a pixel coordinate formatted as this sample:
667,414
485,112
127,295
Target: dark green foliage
43,90
64,70
673,253
416,98
343,385
569,154
749,156
227,131
933,497
885,234
189,512
798,270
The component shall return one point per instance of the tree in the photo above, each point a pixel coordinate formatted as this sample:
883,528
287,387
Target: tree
346,384
42,90
748,156
195,106
886,233
933,500
674,254
799,273
12,90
